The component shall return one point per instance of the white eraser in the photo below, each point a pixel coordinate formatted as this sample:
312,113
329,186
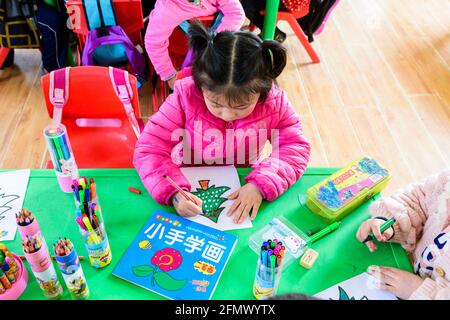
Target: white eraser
308,258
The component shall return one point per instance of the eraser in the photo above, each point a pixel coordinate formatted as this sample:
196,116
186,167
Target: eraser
308,258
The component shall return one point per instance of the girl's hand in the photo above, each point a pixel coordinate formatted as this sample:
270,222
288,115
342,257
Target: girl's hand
373,225
399,282
248,198
186,208
171,82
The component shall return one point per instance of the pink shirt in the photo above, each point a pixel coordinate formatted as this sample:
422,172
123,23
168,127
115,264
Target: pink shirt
184,129
168,14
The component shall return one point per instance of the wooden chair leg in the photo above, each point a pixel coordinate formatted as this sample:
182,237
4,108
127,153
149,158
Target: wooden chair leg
303,39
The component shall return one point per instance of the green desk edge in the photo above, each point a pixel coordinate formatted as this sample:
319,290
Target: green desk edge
125,213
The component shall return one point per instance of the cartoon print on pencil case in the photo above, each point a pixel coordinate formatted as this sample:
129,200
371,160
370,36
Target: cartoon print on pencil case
343,295
212,199
163,261
67,166
5,200
51,287
77,286
334,198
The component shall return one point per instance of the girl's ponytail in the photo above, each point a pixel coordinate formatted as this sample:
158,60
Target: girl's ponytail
274,55
199,38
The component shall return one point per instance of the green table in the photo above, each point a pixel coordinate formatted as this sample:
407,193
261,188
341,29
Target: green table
125,213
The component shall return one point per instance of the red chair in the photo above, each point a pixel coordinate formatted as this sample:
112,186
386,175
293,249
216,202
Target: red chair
291,18
100,133
128,15
3,55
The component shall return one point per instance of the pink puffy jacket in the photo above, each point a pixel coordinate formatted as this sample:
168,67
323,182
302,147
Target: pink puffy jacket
184,133
168,14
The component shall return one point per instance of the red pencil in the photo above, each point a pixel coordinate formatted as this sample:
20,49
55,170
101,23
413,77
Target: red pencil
176,186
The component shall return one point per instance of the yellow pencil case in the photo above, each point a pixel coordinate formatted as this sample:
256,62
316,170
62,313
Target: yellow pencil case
342,192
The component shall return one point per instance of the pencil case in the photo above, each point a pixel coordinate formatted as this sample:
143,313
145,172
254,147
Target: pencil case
63,160
295,240
73,275
19,286
95,240
336,196
40,262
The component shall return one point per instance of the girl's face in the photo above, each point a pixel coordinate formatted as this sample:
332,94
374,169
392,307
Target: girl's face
219,106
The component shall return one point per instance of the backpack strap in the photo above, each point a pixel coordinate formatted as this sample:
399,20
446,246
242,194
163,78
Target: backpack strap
99,13
59,91
121,83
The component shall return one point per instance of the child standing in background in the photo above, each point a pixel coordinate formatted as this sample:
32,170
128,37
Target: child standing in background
422,227
230,104
168,14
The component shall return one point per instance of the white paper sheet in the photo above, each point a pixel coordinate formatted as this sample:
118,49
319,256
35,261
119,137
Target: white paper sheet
213,178
13,187
361,287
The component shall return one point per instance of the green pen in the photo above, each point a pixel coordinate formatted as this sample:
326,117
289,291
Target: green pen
273,261
383,228
58,148
332,227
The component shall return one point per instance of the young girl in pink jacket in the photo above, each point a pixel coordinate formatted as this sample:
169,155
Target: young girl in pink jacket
422,227
168,14
223,115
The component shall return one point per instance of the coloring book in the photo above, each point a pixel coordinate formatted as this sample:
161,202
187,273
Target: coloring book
176,258
213,185
361,287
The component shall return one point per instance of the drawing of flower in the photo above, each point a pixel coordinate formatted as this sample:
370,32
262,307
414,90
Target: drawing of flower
163,261
167,259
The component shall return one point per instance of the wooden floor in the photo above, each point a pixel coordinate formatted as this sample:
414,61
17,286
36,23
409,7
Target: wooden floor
382,89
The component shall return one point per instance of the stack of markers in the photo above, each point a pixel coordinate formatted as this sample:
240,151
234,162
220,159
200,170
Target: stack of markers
70,267
61,153
268,271
272,254
9,270
90,220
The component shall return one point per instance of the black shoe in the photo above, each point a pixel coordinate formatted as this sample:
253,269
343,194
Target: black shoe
280,36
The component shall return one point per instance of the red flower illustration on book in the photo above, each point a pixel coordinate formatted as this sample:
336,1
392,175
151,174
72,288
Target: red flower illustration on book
167,259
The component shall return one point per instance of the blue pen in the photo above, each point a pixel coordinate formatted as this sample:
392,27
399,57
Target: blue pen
87,196
75,192
78,212
263,261
64,147
269,254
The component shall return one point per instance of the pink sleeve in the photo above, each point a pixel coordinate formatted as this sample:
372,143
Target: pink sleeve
289,158
152,155
233,15
161,24
409,207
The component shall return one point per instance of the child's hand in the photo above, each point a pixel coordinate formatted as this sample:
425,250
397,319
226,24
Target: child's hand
373,225
248,198
171,82
186,208
399,282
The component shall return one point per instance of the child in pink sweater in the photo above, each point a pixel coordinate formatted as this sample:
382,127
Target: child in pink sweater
222,115
168,14
422,227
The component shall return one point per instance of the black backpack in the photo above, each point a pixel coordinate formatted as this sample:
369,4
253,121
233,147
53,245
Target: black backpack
319,11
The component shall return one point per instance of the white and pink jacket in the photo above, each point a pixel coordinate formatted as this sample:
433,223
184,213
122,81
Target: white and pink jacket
168,14
183,132
422,211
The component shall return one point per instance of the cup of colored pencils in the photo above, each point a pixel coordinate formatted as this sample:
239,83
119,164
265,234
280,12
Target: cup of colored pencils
63,160
69,264
268,271
90,222
13,275
36,253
